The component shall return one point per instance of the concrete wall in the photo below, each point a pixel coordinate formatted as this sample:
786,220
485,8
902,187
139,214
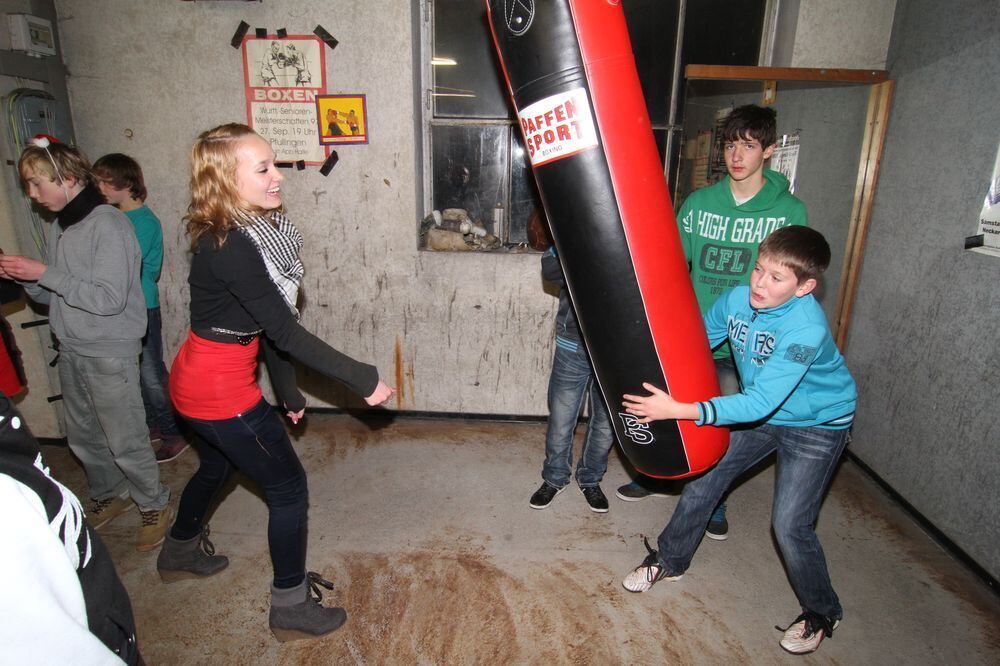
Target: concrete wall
457,332
835,33
923,343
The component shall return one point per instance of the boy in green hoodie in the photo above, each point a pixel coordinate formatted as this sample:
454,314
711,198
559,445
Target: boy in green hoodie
721,227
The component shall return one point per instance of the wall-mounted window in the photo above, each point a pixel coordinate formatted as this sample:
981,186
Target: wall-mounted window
473,157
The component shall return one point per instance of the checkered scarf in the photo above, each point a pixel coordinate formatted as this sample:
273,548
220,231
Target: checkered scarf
278,242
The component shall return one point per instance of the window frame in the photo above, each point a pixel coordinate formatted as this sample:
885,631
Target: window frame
665,131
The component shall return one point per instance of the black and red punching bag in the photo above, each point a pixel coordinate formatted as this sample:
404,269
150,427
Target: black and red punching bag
572,78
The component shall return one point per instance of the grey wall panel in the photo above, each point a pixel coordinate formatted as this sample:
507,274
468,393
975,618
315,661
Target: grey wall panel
842,33
923,342
459,332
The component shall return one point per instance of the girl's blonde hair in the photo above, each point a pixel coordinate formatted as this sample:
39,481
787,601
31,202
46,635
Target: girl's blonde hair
216,204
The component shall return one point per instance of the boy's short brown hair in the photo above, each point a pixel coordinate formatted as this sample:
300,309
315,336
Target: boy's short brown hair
56,161
756,122
121,172
803,250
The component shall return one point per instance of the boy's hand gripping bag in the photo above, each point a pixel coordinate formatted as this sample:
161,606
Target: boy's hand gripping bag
572,78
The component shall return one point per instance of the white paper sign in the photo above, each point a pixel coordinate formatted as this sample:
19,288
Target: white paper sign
785,158
558,126
989,217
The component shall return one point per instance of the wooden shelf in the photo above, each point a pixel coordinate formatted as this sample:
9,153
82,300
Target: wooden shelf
740,73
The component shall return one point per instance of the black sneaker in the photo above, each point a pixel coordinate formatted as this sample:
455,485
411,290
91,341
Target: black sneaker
718,526
596,500
544,496
635,491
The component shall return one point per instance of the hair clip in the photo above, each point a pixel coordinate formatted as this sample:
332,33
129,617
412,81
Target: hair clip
43,140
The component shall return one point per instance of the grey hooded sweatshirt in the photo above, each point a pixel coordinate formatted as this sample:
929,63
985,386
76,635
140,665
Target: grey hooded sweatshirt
91,281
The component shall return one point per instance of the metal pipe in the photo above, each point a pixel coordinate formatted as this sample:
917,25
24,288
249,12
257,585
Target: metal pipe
675,85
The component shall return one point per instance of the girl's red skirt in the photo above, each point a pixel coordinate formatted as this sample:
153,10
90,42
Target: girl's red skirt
214,381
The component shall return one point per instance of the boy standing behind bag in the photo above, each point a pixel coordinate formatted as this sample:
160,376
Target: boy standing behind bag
570,381
120,180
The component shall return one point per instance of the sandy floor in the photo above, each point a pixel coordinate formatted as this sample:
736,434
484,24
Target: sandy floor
425,529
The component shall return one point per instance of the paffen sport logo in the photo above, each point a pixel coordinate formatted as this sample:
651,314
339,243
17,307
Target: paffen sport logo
558,126
637,432
518,14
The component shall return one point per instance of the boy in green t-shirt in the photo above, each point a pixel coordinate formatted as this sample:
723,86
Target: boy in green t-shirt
721,227
119,177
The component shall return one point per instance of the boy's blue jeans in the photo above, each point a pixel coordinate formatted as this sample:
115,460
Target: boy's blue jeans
806,460
568,383
254,442
153,378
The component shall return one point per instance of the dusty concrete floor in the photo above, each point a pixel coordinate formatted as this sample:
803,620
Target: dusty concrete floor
424,527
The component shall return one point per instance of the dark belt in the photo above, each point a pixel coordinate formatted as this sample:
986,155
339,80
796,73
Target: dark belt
218,336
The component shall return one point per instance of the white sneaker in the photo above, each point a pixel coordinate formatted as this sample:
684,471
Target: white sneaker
806,632
647,574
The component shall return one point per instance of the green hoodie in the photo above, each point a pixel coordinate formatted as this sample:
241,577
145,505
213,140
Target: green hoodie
720,239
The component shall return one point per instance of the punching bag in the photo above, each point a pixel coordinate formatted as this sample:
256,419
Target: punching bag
572,78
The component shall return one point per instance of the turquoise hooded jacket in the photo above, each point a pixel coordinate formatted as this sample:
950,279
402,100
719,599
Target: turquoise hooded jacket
791,372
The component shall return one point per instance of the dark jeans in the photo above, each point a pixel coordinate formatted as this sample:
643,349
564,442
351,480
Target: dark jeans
256,443
153,378
807,458
568,385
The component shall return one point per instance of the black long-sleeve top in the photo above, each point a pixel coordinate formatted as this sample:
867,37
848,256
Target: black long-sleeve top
231,292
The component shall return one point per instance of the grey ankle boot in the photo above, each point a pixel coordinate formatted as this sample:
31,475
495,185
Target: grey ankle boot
296,613
192,558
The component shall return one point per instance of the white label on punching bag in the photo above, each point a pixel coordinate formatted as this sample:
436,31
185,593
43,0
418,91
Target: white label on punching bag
558,126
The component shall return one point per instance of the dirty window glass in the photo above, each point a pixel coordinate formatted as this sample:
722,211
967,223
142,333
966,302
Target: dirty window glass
474,159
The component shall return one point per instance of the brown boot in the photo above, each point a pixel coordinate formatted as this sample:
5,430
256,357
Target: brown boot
154,528
104,511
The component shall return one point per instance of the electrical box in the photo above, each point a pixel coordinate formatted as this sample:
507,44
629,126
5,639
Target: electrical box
31,34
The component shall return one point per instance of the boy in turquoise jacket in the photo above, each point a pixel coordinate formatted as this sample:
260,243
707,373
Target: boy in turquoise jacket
799,399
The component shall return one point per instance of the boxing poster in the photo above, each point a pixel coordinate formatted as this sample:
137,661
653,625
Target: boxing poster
283,77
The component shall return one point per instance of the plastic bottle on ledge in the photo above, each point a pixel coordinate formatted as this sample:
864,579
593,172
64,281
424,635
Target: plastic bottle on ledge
498,221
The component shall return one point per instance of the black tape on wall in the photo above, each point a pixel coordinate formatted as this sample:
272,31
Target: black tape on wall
329,39
241,31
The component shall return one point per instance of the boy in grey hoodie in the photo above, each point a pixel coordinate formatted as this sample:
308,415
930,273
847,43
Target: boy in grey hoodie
97,313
